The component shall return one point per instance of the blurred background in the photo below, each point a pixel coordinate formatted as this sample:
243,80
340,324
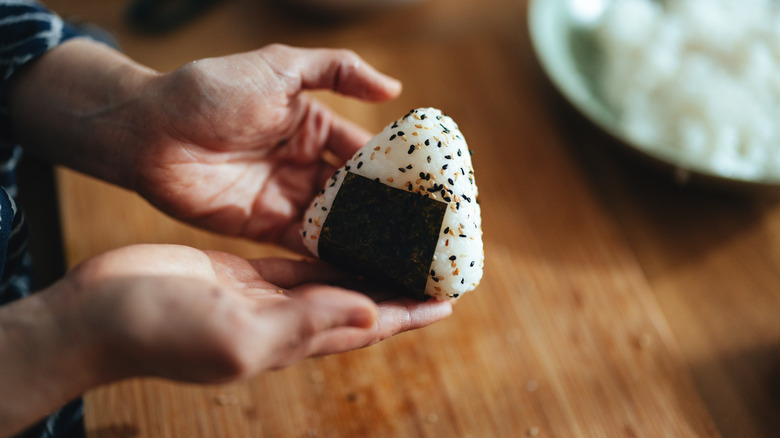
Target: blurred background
624,294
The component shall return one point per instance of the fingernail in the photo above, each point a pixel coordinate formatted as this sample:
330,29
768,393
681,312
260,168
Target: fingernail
395,84
363,317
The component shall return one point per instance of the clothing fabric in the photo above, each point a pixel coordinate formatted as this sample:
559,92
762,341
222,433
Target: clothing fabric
27,30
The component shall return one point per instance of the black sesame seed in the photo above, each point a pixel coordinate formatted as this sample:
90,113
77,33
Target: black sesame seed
411,187
472,264
310,221
445,167
447,198
449,157
360,164
409,166
395,125
429,158
400,133
462,235
304,234
427,142
422,117
324,208
411,149
439,145
402,170
449,180
347,167
462,280
466,198
453,258
433,273
446,230
392,137
459,153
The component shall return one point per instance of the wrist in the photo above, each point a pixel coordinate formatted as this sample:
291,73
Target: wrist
81,105
47,359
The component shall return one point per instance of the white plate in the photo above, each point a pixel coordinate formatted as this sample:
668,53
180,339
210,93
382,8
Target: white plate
570,58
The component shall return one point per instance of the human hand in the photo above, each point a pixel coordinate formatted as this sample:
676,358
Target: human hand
231,144
235,146
179,313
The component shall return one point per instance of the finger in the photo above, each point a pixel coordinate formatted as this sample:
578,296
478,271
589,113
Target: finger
295,324
345,138
291,239
320,128
288,273
394,317
405,314
339,70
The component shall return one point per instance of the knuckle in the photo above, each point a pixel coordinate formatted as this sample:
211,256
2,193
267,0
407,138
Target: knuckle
348,54
235,350
234,360
350,61
277,47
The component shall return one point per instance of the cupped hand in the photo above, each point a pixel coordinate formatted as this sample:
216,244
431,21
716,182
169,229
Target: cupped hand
237,147
180,313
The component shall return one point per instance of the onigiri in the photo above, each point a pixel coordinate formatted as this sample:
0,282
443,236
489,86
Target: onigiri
404,209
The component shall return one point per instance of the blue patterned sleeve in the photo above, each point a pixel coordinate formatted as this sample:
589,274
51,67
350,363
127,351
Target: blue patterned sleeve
27,30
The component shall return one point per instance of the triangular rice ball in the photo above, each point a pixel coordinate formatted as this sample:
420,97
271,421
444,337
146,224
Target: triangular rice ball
404,209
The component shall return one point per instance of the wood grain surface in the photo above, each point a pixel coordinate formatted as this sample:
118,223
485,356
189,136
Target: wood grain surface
614,303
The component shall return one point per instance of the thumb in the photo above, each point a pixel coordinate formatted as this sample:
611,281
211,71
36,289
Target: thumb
339,70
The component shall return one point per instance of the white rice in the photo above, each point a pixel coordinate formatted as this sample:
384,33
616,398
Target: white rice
697,79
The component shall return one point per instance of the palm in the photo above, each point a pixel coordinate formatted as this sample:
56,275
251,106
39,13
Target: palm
257,193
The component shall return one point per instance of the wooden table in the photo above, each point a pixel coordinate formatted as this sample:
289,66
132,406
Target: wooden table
614,303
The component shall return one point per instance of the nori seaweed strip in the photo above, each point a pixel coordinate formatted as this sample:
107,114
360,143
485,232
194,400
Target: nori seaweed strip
383,232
